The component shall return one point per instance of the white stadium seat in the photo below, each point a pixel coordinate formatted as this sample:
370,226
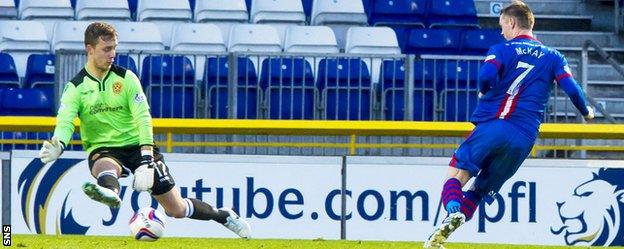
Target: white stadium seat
254,38
165,14
372,40
135,37
22,38
7,9
48,12
310,39
223,13
340,15
69,35
109,10
279,13
197,37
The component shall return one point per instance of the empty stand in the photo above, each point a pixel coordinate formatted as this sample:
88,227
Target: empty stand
346,89
8,72
22,38
125,61
165,14
393,86
216,88
25,102
340,15
69,35
170,84
310,39
48,12
254,38
279,13
197,37
372,40
479,41
223,13
8,9
288,84
110,10
453,13
433,41
410,13
458,89
135,37
40,74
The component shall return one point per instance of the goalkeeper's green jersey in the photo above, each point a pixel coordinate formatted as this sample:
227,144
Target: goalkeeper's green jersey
112,112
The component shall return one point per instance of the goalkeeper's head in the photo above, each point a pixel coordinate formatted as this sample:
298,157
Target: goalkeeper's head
516,18
100,44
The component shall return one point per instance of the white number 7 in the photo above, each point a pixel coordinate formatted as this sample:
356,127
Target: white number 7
513,89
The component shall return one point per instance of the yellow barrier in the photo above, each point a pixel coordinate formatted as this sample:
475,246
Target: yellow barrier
329,128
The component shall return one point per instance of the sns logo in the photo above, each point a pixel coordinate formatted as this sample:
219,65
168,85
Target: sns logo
592,215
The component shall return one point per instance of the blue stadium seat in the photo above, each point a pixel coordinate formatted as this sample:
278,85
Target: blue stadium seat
40,71
132,5
433,41
215,85
479,41
452,13
125,61
14,136
25,102
170,83
288,84
8,72
398,13
345,86
458,89
307,7
392,82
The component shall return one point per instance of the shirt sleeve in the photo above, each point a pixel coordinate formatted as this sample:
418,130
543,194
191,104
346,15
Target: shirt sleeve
563,76
562,70
489,70
139,109
67,112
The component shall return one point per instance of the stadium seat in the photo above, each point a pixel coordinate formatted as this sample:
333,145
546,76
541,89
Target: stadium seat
170,84
410,13
125,61
48,12
22,38
372,40
310,39
69,35
111,10
288,84
132,6
345,87
223,13
8,72
254,38
197,37
452,13
279,13
458,89
165,13
216,83
307,8
433,41
392,84
8,9
25,102
479,41
339,15
40,73
135,37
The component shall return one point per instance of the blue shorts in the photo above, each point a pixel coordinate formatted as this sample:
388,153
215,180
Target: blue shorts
493,152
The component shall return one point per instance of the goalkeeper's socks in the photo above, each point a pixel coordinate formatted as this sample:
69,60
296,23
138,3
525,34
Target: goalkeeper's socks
452,195
108,179
470,202
199,210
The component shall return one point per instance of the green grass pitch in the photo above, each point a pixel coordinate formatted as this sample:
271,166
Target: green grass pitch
80,241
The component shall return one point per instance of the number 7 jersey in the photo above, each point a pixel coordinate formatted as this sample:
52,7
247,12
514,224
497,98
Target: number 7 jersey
516,80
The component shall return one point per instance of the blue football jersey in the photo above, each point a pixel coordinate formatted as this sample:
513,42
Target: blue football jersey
526,71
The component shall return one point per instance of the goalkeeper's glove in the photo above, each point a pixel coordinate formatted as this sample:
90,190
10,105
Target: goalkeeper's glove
50,151
144,174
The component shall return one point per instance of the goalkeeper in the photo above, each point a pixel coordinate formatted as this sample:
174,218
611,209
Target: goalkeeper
116,131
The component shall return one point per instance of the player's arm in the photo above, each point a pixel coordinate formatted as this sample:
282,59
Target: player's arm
144,174
572,89
488,73
67,112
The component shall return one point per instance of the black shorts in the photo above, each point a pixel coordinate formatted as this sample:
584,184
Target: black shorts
129,158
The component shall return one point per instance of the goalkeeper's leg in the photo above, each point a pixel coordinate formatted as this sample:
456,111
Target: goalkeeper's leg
106,191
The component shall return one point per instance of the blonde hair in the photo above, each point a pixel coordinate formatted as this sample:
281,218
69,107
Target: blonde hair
521,13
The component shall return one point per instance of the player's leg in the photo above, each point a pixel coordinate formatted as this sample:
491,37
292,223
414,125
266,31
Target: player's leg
165,192
106,169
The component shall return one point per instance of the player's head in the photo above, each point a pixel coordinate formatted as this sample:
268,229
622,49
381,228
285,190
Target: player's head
515,18
100,43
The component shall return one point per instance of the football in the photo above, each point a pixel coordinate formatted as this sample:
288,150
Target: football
147,224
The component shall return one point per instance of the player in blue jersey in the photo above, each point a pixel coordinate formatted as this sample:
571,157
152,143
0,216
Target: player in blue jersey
515,83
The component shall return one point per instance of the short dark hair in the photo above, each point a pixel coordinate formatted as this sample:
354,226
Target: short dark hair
521,13
98,30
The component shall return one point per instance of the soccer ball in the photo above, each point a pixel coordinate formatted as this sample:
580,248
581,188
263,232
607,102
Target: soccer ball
147,224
